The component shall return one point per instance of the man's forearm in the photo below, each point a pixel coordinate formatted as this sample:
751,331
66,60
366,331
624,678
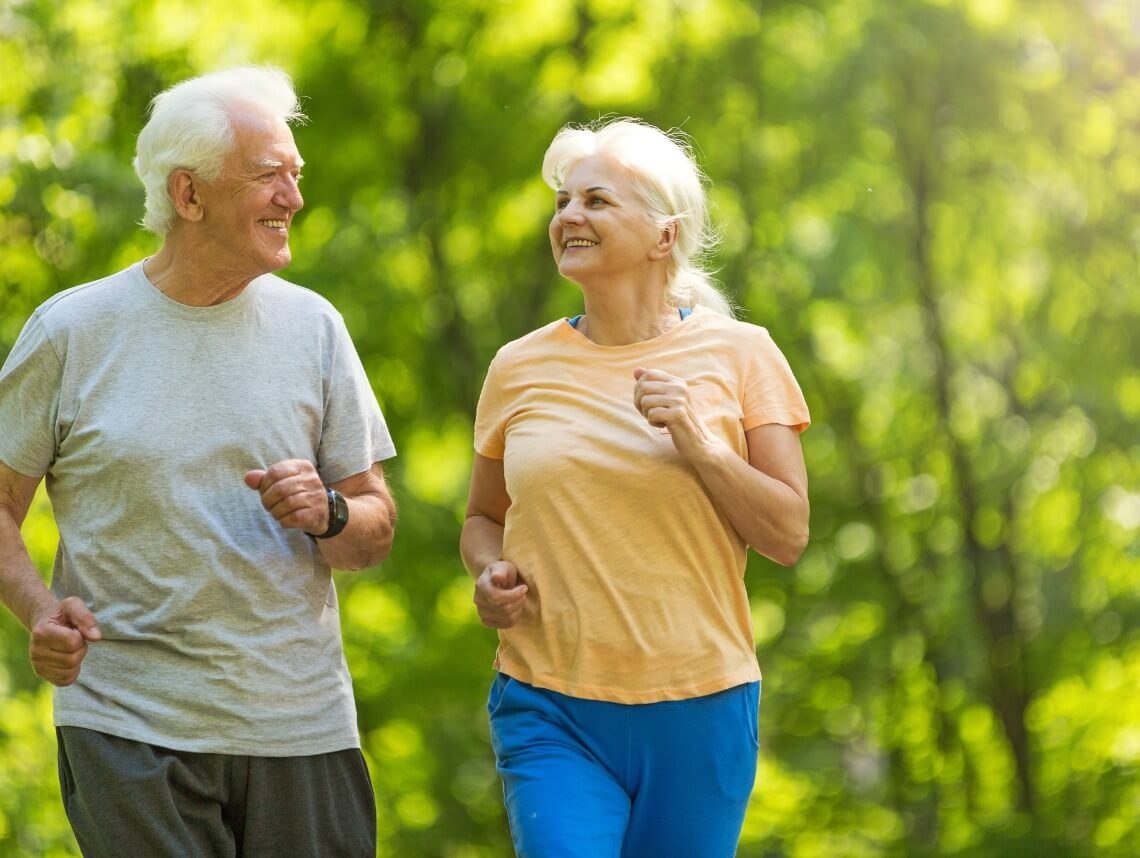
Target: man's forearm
367,538
21,588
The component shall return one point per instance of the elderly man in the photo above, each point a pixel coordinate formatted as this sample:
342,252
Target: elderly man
212,447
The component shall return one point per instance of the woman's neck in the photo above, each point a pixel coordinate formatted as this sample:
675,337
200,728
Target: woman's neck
617,322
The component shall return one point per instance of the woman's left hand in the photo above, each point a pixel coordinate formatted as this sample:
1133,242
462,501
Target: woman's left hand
664,401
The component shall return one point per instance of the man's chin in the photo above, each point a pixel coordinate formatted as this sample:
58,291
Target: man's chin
279,260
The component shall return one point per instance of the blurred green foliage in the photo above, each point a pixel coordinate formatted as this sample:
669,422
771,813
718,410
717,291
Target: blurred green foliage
933,206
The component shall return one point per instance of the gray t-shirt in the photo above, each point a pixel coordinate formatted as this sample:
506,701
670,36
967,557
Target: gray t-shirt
220,627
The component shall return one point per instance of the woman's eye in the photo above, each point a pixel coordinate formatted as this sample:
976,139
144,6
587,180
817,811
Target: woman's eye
559,205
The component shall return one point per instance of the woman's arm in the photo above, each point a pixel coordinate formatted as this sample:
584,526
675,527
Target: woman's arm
500,595
764,498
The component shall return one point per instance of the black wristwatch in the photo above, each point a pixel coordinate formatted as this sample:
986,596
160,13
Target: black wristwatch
338,515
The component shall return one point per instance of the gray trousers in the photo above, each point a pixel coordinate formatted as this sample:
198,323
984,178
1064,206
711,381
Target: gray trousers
126,798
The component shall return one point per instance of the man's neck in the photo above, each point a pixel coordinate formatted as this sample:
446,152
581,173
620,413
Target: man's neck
184,278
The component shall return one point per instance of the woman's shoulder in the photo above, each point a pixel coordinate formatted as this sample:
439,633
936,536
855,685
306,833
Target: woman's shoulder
534,344
740,330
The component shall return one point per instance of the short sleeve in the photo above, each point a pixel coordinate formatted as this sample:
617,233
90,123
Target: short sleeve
354,433
771,392
490,429
30,383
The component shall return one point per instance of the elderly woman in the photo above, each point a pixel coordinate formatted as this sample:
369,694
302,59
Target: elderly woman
625,460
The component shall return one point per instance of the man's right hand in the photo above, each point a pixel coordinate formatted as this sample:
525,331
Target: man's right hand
59,641
499,595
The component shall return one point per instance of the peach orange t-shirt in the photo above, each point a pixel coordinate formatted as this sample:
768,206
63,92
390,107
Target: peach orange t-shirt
636,580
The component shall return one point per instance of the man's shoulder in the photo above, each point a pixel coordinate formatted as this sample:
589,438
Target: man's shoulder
86,302
291,297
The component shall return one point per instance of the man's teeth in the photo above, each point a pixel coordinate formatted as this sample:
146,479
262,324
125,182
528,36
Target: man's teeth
274,224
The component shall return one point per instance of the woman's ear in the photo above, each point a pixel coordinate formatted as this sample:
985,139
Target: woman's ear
184,193
666,238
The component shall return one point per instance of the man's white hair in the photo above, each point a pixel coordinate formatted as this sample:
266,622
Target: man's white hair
191,128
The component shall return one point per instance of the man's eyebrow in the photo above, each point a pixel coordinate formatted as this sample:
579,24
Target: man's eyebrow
270,164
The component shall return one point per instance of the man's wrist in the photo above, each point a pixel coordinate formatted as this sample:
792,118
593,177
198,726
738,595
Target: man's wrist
338,514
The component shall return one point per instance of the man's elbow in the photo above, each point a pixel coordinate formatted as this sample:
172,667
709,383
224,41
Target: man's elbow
380,546
373,549
383,545
373,553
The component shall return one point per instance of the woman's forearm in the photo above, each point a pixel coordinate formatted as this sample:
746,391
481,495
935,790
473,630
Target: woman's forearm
769,515
480,543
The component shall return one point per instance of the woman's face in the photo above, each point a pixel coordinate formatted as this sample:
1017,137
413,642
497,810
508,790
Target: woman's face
600,226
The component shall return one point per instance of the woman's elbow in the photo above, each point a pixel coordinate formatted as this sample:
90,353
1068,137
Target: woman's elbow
795,539
794,548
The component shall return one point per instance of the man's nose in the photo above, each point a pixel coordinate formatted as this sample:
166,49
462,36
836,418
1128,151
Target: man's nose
289,195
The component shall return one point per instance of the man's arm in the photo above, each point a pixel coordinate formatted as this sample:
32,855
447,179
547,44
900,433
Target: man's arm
60,630
21,587
293,493
367,538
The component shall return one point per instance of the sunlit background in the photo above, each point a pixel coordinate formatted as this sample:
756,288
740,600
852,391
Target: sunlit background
932,205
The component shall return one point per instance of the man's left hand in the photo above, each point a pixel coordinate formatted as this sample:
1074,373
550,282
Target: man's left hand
293,493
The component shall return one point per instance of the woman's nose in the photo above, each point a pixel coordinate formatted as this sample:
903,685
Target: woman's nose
569,213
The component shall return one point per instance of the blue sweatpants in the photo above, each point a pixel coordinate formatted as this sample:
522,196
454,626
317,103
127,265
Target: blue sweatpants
592,779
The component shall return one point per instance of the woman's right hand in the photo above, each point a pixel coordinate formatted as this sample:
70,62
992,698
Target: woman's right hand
500,595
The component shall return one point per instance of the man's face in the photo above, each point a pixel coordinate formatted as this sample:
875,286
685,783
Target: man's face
249,210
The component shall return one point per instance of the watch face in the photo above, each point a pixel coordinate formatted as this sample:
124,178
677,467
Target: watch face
338,515
340,507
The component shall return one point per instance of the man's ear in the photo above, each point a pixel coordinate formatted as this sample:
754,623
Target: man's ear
184,192
666,238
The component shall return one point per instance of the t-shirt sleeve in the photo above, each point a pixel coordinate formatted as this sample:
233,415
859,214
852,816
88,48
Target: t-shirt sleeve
490,420
30,383
771,392
354,434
